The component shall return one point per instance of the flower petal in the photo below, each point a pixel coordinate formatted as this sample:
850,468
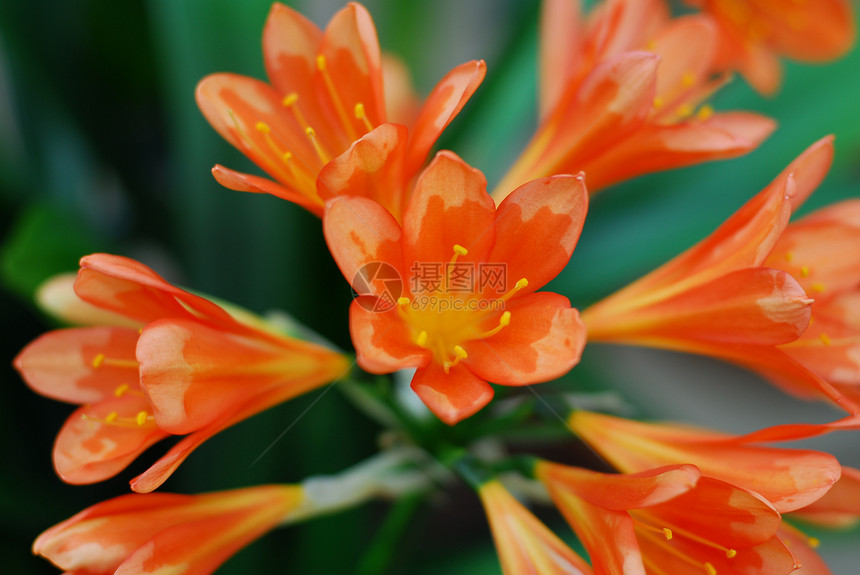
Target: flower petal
451,396
372,167
364,239
543,217
440,108
194,375
240,182
756,306
382,340
561,34
839,507
543,341
130,288
56,296
290,44
69,364
88,449
354,66
449,206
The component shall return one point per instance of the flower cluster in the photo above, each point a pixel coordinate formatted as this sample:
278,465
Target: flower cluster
449,281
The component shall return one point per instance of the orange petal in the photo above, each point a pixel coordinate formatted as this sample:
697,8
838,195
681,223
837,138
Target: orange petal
686,46
619,492
756,306
70,365
364,239
88,450
290,44
130,288
449,206
452,396
240,182
382,340
524,544
787,478
57,297
543,341
561,33
194,375
659,147
818,32
543,217
440,108
354,64
372,167
839,507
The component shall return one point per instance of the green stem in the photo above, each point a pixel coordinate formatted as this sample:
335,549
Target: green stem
384,547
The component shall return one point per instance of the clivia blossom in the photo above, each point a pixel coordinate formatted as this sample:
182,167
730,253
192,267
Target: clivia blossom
172,363
737,295
622,95
754,33
327,97
165,532
524,544
666,520
461,335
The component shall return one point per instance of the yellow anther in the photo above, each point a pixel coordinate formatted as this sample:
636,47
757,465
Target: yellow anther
458,249
825,339
521,284
111,417
651,45
421,340
98,360
446,367
404,301
287,157
460,352
818,287
684,110
312,136
141,418
789,256
804,271
710,569
814,542
320,62
688,79
121,390
263,128
290,99
505,320
361,115
667,533
658,102
731,553
704,113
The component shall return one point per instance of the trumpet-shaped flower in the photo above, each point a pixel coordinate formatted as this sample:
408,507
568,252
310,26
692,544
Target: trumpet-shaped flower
621,96
177,364
754,33
326,98
166,533
667,520
726,296
524,544
790,479
458,298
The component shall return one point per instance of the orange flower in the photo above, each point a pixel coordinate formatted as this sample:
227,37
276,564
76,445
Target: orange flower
667,520
524,544
839,507
164,532
753,33
326,96
789,479
822,250
722,298
457,297
178,364
620,92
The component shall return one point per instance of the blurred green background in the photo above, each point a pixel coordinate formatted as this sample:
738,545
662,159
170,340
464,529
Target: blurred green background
102,149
